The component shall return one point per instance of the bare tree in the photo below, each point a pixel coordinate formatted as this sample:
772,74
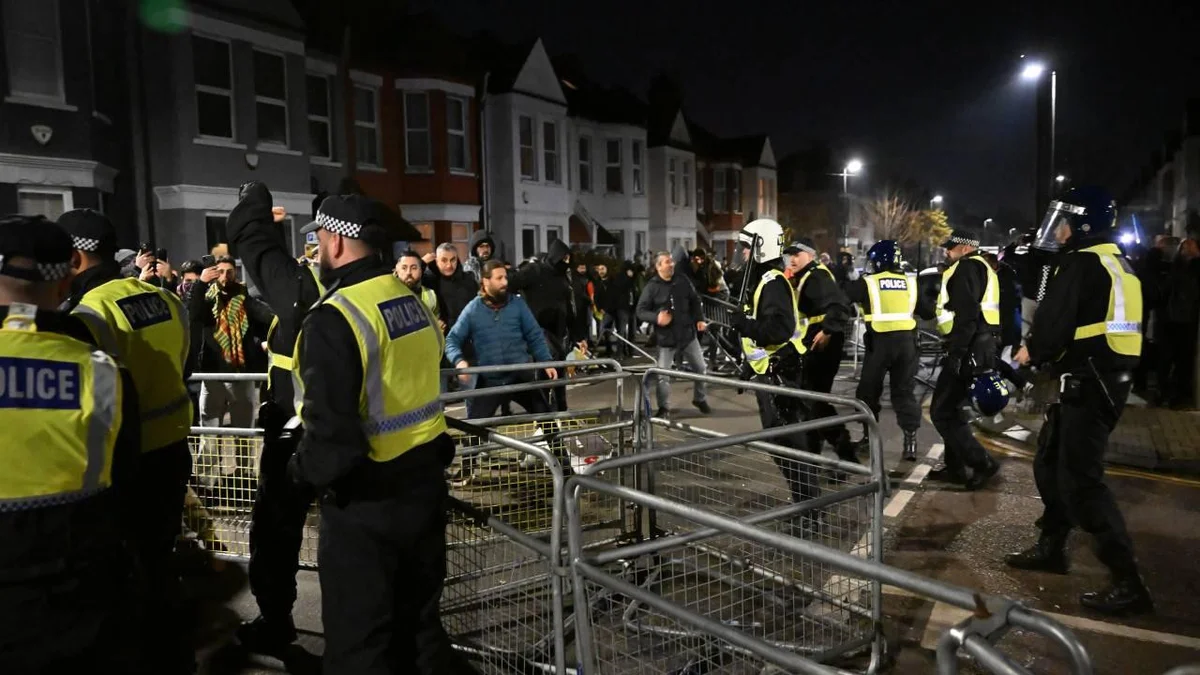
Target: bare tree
890,213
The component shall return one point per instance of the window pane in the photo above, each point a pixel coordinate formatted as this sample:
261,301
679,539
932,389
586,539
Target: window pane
364,105
637,153
214,227
213,115
211,62
269,75
418,148
460,231
612,178
614,152
272,123
40,204
364,142
553,234
551,167
527,131
455,114
416,111
585,149
456,148
33,66
528,242
527,162
549,137
37,19
318,95
318,139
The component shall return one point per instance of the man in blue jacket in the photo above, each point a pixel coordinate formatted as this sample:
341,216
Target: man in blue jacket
504,332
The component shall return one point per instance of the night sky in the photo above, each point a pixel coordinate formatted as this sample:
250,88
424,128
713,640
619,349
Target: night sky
917,89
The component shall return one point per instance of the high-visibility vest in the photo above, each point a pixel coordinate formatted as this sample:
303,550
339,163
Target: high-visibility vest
401,349
143,326
758,356
989,304
893,300
429,299
1122,325
808,321
285,361
60,407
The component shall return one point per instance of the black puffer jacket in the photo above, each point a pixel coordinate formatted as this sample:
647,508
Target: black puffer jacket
454,292
546,286
677,296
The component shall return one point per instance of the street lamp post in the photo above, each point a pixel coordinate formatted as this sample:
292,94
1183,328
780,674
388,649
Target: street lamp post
936,202
853,168
1047,104
986,222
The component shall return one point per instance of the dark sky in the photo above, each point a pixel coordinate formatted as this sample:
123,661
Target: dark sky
926,90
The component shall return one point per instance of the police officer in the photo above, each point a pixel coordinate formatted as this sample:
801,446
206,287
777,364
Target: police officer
67,589
889,298
773,346
1087,328
375,448
824,312
968,318
144,327
410,269
281,507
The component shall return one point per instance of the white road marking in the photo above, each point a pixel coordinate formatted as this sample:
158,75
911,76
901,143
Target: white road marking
935,452
917,476
944,616
897,503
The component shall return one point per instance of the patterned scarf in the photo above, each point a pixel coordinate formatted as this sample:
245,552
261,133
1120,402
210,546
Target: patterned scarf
229,310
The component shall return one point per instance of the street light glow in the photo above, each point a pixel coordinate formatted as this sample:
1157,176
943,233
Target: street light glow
937,199
1033,71
988,221
854,166
1060,178
1127,238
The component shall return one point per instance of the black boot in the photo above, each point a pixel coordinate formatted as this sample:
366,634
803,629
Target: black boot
1049,554
1126,595
910,446
980,477
267,636
847,450
946,474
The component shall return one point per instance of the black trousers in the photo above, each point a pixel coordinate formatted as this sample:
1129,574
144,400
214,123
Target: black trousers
893,355
1069,470
949,396
820,369
802,479
277,530
1181,339
154,511
383,565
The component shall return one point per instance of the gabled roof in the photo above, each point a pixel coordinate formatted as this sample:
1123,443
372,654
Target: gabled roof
589,100
523,68
745,150
669,126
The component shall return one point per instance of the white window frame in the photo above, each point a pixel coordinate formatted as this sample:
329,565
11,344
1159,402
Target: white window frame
553,228
620,165
287,122
537,238
685,183
327,119
409,165
465,169
207,89
68,197
720,193
699,189
532,175
672,187
548,153
365,125
637,154
735,192
586,164
59,100
639,242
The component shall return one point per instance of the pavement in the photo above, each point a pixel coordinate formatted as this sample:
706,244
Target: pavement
947,535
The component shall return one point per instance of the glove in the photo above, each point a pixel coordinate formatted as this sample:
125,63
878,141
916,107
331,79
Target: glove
739,321
960,363
254,205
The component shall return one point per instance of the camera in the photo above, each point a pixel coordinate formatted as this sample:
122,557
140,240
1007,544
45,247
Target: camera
207,261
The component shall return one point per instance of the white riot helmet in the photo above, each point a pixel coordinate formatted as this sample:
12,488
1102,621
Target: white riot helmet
764,237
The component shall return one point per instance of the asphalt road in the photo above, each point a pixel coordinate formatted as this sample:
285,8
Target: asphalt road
948,535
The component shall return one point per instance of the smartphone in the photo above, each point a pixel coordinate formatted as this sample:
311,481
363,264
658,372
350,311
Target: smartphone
144,247
161,254
207,261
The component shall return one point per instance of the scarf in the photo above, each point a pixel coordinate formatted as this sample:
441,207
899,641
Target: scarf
230,312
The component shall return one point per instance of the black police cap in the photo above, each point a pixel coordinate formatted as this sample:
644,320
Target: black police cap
45,245
359,217
961,236
90,231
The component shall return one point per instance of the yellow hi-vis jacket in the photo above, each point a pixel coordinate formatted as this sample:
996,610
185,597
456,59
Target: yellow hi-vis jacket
429,299
285,361
893,299
989,305
759,357
143,326
401,349
807,322
60,407
1122,325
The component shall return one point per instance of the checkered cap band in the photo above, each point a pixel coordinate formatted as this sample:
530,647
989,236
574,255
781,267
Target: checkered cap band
956,239
54,271
336,226
86,244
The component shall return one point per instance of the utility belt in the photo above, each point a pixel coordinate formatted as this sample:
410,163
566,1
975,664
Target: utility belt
1072,385
277,423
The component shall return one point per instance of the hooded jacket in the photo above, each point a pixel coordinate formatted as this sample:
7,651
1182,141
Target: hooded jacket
473,264
546,286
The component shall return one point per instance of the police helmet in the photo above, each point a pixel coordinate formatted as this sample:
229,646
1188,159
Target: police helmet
1088,210
764,238
885,256
989,394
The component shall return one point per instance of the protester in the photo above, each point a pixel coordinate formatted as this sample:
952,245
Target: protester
672,306
480,250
